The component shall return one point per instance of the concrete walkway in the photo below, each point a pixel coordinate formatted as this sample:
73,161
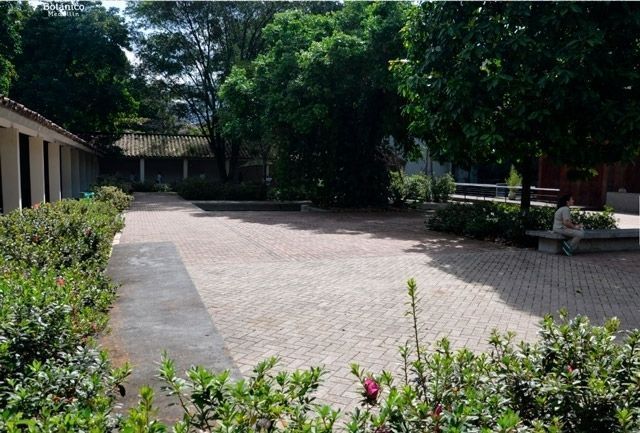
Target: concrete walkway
329,288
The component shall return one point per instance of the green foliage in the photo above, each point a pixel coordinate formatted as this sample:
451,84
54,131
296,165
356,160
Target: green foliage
66,234
519,80
416,187
186,55
11,17
74,70
504,222
140,418
205,189
267,401
328,101
113,195
442,188
288,193
514,178
54,296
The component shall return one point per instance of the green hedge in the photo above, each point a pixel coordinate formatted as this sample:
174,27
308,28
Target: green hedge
54,297
420,188
503,222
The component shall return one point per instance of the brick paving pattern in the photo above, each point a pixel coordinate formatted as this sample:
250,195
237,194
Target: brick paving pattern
330,288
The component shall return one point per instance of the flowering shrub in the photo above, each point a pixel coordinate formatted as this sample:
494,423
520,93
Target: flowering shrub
54,297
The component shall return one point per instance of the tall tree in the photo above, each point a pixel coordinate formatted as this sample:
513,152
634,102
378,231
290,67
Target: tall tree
12,15
520,80
330,101
241,115
73,69
192,46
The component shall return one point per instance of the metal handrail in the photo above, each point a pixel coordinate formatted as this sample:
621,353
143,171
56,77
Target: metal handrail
493,191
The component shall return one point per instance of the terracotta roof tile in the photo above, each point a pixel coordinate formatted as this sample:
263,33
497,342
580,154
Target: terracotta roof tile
16,107
164,146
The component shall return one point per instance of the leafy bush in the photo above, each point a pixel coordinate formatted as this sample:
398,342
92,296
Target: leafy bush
113,195
576,378
205,189
118,182
503,222
397,187
442,188
288,193
66,234
54,296
416,187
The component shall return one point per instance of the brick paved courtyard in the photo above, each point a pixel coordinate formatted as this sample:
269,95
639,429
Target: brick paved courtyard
330,288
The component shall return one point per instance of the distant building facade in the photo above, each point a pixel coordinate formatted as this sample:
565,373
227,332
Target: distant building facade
144,157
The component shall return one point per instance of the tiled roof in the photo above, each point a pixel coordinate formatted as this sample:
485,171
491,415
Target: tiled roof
16,107
165,146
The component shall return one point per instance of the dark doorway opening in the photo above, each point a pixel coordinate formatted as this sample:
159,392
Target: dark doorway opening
25,171
47,193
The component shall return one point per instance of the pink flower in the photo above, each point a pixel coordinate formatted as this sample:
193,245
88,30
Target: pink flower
570,368
60,281
437,411
371,389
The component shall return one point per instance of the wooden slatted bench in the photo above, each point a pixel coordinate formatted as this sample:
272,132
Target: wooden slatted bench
594,240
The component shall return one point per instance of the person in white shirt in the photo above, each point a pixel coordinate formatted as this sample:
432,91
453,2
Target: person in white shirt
563,225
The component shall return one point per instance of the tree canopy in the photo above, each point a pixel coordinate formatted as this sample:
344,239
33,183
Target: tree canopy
73,69
520,80
11,18
192,46
329,101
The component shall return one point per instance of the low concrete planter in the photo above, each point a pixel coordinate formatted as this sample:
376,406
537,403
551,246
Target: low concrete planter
432,206
227,205
594,240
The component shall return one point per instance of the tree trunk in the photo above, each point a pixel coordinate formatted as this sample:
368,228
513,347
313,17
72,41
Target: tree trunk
233,160
527,171
217,145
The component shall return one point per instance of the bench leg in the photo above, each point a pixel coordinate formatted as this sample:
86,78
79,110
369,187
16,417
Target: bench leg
552,246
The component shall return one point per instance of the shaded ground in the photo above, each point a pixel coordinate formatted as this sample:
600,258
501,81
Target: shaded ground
329,288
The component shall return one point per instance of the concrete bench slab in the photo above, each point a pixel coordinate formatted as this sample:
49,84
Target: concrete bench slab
594,240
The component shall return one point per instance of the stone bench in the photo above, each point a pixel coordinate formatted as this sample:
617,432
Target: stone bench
594,240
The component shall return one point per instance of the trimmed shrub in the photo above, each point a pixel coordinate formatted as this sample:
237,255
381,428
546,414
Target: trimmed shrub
442,188
503,222
113,195
54,296
415,187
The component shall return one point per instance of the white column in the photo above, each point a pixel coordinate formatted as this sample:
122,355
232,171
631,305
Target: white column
55,191
67,181
36,167
82,181
141,169
75,172
185,168
10,167
94,168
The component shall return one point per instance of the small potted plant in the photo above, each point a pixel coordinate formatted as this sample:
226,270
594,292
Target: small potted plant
514,180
